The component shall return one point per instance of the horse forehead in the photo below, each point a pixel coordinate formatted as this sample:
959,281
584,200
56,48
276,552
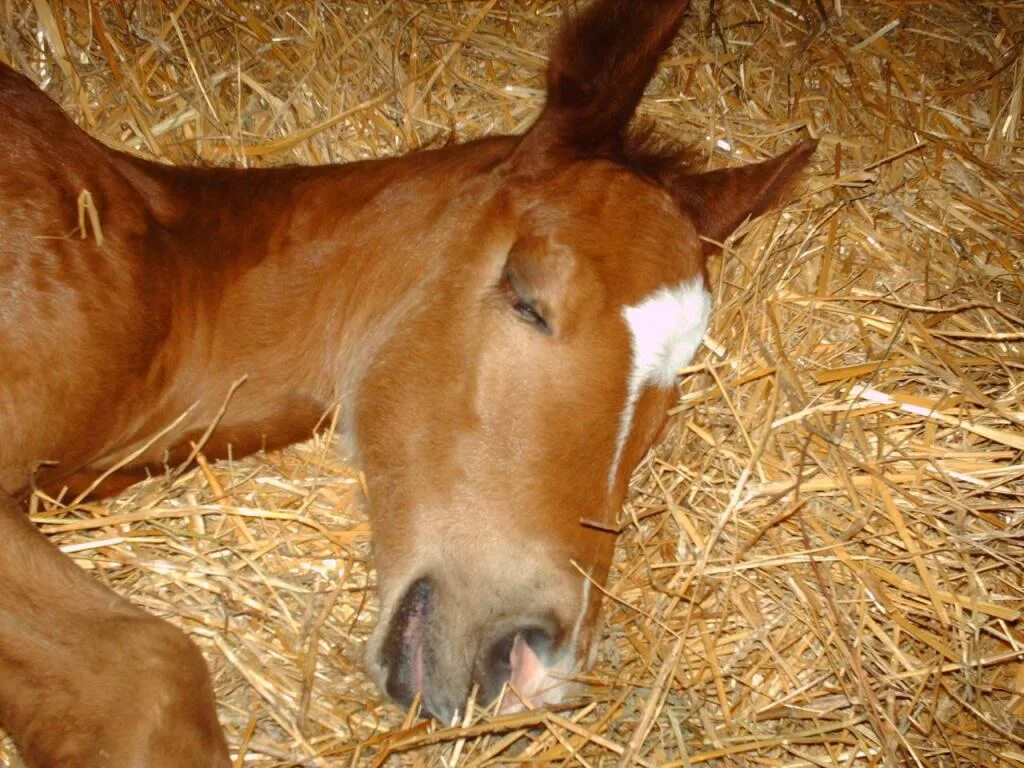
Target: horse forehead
593,188
630,229
617,193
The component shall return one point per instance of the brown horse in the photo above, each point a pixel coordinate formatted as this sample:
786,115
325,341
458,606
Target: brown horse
500,322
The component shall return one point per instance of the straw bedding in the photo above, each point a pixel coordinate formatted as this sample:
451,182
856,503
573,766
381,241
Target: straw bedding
822,566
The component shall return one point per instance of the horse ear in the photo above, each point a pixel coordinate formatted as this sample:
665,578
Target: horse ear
599,66
719,201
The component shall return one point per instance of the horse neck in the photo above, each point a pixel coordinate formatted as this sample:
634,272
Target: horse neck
303,273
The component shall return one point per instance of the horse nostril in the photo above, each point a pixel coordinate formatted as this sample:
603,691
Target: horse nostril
519,657
402,653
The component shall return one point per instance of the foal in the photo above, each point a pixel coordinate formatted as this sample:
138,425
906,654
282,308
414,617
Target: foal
501,323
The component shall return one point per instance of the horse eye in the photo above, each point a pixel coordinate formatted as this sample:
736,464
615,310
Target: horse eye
521,303
529,313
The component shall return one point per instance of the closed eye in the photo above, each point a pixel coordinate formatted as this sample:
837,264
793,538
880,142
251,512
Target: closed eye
519,300
529,312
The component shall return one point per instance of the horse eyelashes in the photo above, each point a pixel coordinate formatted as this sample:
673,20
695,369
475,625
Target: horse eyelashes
526,308
529,312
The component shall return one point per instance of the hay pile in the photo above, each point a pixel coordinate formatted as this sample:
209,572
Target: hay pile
823,565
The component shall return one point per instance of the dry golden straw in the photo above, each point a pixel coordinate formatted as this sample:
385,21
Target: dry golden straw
823,564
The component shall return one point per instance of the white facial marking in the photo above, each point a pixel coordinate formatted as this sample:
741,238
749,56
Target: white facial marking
666,329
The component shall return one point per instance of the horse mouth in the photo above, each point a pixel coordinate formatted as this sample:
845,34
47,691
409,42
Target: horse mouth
528,658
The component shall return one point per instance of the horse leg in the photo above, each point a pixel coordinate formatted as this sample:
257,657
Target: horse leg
86,678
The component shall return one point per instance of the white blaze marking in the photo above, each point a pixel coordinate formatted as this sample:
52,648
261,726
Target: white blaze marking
666,329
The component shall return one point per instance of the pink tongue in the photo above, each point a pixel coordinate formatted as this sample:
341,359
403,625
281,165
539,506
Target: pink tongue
413,636
528,672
